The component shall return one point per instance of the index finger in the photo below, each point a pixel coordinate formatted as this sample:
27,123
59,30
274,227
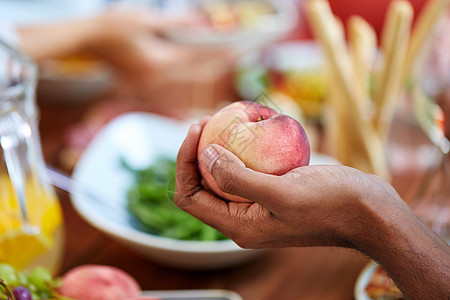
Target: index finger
187,175
189,195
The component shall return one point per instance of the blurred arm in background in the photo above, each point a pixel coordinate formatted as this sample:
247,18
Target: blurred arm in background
130,40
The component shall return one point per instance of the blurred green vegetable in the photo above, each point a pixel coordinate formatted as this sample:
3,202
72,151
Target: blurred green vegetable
150,199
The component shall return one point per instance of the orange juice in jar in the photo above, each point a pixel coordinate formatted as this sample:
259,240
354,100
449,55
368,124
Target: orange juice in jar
38,243
31,231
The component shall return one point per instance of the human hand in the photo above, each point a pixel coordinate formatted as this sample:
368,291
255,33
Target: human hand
132,41
309,206
128,39
315,206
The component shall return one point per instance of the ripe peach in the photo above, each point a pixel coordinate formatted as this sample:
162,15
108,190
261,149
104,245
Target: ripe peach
263,139
96,282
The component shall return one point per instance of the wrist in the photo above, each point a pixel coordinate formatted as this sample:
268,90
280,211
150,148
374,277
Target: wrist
413,255
381,212
362,216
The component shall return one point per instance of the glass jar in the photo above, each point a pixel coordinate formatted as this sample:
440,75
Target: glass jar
31,225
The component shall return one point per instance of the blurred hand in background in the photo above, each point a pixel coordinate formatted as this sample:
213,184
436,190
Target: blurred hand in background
131,40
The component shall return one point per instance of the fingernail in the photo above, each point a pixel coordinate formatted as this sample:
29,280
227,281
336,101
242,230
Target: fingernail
208,157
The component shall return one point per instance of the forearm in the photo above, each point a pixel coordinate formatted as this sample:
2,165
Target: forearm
54,41
414,256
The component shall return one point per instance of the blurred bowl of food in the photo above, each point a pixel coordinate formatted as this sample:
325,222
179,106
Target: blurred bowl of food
124,186
242,24
73,80
374,283
290,68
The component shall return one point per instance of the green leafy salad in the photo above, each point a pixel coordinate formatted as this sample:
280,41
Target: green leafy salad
150,200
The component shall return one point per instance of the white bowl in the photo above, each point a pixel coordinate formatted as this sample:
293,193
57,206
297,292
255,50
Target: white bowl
100,191
292,67
208,294
363,280
267,29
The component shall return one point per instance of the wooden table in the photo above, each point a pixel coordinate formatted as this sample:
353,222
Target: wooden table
292,273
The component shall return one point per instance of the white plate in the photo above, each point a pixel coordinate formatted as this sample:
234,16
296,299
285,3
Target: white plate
99,177
193,295
363,280
268,29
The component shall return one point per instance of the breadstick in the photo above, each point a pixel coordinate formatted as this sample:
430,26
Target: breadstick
329,33
347,106
421,31
363,47
395,41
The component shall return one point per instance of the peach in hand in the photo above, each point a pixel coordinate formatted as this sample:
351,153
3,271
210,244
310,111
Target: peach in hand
261,138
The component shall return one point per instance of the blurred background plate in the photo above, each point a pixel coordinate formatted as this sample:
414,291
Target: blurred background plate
294,69
192,295
242,24
373,283
363,280
139,138
73,80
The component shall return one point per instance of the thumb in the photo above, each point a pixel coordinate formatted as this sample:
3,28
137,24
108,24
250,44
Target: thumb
234,178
